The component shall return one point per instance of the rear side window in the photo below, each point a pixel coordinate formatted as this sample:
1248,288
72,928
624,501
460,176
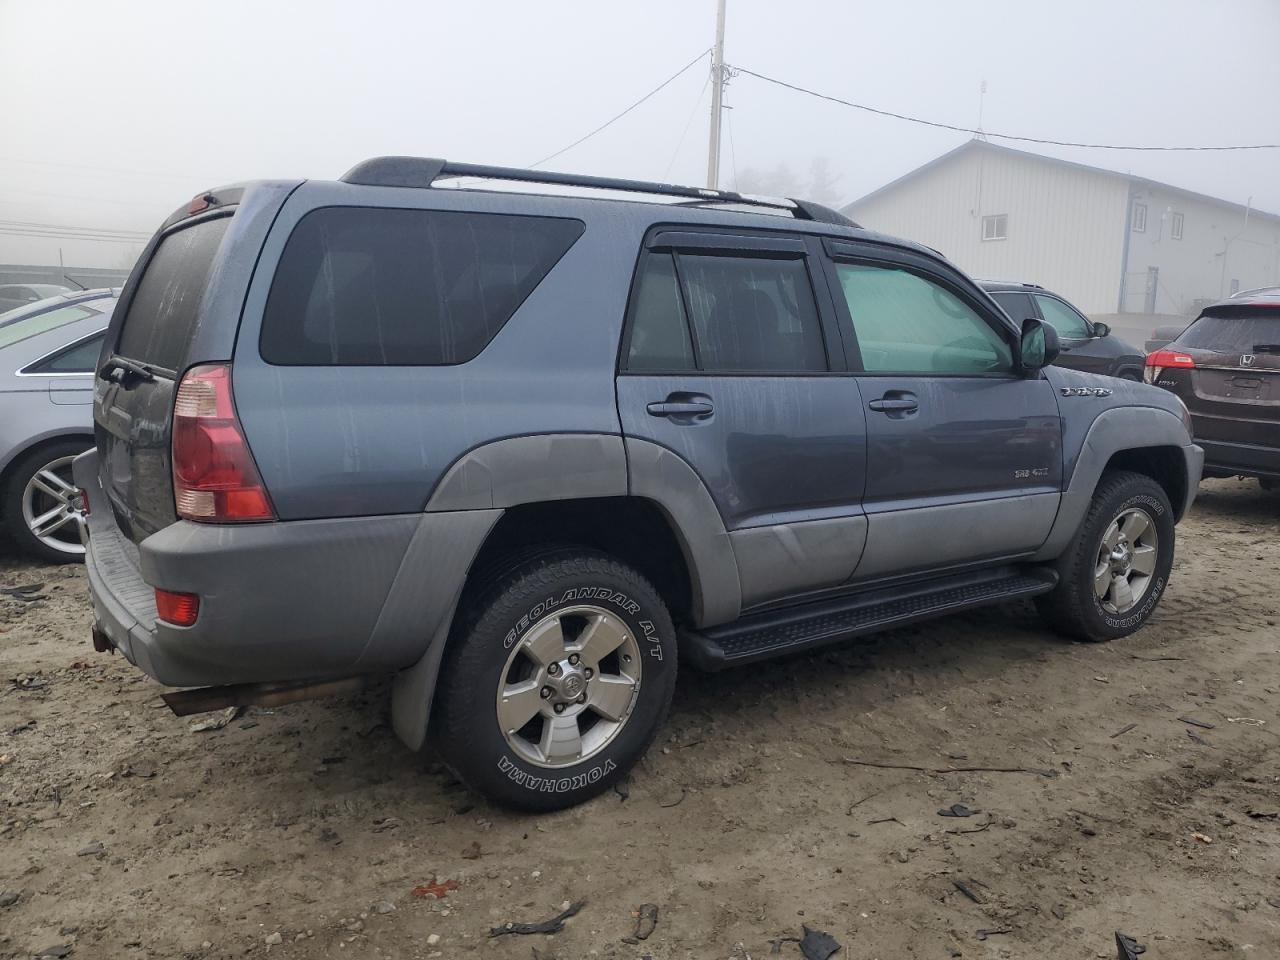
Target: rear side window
659,330
1016,305
1240,330
80,358
162,315
359,286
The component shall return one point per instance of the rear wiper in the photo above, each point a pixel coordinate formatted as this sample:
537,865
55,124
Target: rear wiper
1266,348
117,367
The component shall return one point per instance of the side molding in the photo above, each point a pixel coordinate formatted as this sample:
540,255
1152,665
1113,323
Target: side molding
659,475
555,466
1114,430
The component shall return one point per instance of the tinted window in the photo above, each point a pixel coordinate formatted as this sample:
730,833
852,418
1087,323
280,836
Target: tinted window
659,330
404,287
752,314
1064,319
81,358
907,324
43,322
1234,332
1016,305
162,316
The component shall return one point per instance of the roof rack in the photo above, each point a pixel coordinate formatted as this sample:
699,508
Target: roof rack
424,171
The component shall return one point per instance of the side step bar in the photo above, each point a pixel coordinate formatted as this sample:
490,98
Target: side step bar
791,629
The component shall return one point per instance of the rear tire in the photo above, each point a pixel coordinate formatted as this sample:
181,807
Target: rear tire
39,507
557,678
1117,567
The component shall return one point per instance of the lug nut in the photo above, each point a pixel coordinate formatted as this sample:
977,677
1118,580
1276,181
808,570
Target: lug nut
588,673
554,669
559,708
583,698
573,659
546,693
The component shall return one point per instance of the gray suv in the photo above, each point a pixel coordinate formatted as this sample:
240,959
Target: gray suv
523,450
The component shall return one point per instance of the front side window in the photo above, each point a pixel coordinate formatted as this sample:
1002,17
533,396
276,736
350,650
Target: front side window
1069,324
1016,305
995,227
907,324
364,286
752,314
1139,218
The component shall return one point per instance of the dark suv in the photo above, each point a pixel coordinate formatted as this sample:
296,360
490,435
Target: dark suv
1226,368
1085,345
521,450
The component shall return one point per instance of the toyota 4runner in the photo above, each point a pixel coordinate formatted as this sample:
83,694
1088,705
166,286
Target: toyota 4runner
524,450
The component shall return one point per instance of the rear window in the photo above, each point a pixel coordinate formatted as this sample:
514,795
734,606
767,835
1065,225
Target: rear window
358,286
1241,330
162,316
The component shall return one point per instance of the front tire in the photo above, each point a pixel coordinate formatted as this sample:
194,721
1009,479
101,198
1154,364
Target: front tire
1116,569
556,680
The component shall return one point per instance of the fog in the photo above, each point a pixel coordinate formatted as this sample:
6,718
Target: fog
114,114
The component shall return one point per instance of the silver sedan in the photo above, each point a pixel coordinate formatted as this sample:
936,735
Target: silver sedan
48,352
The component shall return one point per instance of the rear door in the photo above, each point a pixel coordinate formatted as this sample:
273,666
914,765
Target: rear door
134,406
964,454
1233,391
732,360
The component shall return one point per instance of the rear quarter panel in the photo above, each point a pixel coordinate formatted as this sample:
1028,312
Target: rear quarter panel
352,441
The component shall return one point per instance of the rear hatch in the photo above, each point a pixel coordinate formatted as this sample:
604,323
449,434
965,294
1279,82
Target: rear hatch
1233,389
135,389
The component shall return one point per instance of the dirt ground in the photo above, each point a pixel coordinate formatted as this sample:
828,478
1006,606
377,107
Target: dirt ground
302,832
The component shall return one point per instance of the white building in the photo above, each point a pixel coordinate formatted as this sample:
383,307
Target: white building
1107,241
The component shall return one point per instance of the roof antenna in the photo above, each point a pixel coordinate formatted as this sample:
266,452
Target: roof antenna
982,97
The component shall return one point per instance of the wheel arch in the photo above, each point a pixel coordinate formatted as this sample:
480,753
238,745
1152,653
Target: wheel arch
15,455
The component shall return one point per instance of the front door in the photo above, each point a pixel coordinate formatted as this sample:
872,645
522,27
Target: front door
1081,350
732,361
964,453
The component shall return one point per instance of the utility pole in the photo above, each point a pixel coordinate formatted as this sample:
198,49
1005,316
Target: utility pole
717,96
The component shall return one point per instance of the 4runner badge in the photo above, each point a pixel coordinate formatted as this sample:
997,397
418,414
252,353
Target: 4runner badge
1086,391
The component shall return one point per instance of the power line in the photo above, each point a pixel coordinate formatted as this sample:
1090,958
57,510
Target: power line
688,123
988,133
63,227
609,122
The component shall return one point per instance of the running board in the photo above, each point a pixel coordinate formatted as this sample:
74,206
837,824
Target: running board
777,632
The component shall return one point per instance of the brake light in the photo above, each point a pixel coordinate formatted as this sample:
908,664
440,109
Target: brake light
1164,359
180,609
214,477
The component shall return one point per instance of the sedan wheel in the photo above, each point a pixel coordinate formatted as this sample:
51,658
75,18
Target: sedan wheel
51,508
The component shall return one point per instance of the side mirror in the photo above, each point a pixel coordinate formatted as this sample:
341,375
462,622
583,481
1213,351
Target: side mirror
1039,345
1101,329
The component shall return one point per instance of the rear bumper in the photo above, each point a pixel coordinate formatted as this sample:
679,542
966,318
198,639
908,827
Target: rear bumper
278,601
1245,459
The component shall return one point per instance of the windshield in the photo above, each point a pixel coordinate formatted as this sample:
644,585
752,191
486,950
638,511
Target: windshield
13,329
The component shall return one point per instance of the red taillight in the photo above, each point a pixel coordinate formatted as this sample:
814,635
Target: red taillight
180,609
1164,359
214,476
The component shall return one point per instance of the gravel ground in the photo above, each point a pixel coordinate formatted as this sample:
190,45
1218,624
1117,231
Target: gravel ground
309,831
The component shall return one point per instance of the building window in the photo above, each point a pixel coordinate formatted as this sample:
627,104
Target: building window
995,227
1139,218
1175,228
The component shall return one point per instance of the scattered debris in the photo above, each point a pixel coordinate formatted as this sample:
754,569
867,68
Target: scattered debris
676,802
858,803
956,810
26,592
383,906
274,938
95,849
472,851
777,943
1102,679
1134,656
906,766
217,721
22,728
554,925
1128,948
5,759
1196,723
386,823
991,932
1197,739
436,888
1059,911
1123,730
623,789
9,897
1262,814
34,681
646,921
1249,720
1201,837
967,891
816,945
885,820
55,952
980,829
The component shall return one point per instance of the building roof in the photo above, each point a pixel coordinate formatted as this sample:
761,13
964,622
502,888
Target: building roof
976,144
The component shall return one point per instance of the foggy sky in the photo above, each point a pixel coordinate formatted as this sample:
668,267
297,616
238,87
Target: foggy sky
113,114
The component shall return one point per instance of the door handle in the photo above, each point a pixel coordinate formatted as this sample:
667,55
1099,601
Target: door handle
899,404
681,408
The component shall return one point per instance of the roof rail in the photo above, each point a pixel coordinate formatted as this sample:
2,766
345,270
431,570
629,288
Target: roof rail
424,171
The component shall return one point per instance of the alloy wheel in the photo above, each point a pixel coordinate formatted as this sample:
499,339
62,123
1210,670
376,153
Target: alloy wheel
51,508
1126,561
